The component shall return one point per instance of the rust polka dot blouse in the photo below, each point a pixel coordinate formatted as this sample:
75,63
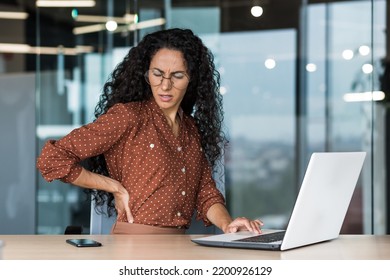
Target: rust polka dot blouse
167,177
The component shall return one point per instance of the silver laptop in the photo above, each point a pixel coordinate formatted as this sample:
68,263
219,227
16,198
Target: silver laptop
319,210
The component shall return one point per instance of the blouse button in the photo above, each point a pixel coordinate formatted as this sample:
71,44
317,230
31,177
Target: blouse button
183,192
178,214
179,149
183,170
151,146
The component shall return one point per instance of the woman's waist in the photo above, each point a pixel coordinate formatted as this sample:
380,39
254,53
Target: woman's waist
138,228
173,221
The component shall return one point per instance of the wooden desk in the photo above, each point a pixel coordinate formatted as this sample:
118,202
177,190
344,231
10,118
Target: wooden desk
180,247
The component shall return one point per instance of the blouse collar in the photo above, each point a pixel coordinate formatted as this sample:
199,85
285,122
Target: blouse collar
151,103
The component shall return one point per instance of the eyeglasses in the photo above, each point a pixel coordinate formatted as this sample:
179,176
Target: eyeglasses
155,77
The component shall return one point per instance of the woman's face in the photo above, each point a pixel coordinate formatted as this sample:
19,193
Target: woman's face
168,79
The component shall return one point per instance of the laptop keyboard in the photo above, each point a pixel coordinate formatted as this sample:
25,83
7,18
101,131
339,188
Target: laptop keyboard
264,238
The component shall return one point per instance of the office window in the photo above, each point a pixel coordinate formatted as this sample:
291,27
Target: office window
343,68
258,84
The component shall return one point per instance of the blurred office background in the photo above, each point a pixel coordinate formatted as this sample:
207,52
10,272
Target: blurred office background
298,76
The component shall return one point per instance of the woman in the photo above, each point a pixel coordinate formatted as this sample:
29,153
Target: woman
156,138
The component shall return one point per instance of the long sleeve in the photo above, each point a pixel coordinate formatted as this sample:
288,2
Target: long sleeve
61,159
208,194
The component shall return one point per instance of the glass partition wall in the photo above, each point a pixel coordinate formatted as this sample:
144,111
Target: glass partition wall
296,78
345,48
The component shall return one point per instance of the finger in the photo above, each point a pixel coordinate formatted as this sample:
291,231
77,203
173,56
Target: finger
250,225
256,226
257,223
129,216
232,229
238,224
120,212
247,224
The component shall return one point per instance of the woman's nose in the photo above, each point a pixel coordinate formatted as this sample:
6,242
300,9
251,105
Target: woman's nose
166,83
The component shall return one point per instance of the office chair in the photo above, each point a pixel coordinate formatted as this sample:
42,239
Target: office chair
73,230
99,223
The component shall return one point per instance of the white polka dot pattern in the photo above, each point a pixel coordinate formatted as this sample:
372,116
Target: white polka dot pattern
167,177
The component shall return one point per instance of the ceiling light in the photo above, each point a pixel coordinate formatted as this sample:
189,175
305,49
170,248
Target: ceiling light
222,90
123,28
364,96
14,48
348,54
102,23
130,17
69,3
127,18
256,11
311,67
145,24
89,29
13,15
367,68
111,25
270,63
364,50
27,49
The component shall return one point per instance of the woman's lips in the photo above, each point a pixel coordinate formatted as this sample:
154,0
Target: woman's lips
166,98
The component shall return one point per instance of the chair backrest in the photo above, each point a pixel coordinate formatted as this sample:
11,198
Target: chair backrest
100,224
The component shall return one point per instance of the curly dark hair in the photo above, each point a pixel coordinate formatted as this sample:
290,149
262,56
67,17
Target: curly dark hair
202,99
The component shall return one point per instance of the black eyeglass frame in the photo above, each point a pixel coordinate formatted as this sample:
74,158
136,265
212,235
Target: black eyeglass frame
146,76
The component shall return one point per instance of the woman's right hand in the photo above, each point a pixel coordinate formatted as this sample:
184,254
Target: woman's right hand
122,199
90,180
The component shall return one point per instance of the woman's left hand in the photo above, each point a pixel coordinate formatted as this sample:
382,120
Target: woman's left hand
243,223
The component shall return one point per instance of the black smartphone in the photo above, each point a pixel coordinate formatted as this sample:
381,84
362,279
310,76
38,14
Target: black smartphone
83,242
